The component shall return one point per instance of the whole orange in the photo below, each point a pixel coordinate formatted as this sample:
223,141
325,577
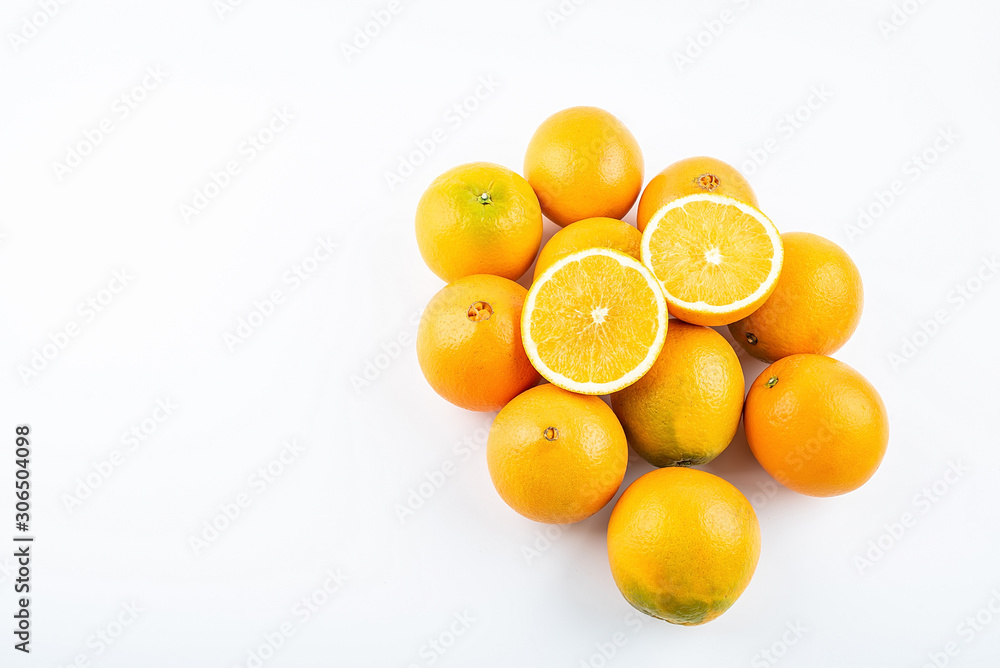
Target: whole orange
693,176
816,425
469,343
683,545
686,409
589,233
555,456
479,218
815,307
584,163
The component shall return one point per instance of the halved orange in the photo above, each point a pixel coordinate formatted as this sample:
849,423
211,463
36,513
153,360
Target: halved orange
716,258
594,321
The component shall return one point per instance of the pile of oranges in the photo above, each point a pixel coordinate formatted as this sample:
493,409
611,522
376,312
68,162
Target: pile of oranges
628,312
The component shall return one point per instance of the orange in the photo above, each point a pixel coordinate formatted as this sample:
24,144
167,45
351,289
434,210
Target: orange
589,233
815,307
683,545
594,321
816,425
686,409
716,258
555,456
693,176
582,163
469,343
479,218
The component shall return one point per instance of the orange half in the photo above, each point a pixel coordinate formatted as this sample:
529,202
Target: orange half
716,258
594,322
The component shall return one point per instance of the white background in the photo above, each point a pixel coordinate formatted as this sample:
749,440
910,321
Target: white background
367,447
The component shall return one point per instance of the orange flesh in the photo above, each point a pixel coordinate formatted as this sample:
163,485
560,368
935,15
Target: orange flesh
585,322
711,253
